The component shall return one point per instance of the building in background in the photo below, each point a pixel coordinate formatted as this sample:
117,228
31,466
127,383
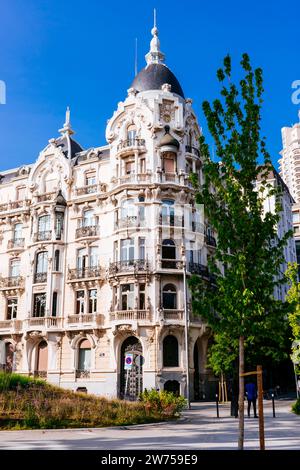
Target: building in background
289,163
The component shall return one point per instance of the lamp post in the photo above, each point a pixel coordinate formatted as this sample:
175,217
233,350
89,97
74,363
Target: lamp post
186,326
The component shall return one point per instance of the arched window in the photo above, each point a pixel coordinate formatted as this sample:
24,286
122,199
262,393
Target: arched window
170,351
84,355
56,260
131,134
169,297
168,253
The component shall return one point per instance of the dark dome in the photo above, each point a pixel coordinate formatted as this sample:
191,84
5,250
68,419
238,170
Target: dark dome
153,76
75,147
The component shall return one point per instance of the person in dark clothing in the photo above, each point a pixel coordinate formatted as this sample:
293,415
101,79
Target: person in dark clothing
251,397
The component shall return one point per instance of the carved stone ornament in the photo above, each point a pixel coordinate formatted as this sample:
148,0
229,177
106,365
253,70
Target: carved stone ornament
166,110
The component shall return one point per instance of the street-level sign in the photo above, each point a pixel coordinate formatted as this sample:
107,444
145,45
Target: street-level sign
128,361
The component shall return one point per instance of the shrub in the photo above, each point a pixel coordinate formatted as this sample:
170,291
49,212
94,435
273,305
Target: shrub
12,381
163,402
296,407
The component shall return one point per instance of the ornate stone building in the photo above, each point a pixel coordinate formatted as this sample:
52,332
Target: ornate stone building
95,244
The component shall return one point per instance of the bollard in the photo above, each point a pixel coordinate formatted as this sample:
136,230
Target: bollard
217,404
273,405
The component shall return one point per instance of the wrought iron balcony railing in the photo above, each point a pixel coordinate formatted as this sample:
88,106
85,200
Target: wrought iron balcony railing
85,273
131,143
40,278
210,240
42,236
82,374
193,150
11,282
87,231
133,265
16,243
197,268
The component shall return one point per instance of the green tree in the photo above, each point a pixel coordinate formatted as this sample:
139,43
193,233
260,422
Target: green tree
240,307
293,297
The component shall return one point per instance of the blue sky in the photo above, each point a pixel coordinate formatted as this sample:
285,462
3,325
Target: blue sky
58,53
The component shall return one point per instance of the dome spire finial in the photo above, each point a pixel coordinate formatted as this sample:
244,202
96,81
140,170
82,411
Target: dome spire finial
67,128
154,56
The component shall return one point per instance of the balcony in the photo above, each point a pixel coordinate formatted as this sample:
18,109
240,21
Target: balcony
85,273
12,282
172,220
131,144
40,374
40,278
171,264
134,265
193,150
88,189
46,196
87,231
120,315
43,236
49,323
13,205
132,178
16,243
85,320
10,326
173,314
130,221
197,268
82,374
210,240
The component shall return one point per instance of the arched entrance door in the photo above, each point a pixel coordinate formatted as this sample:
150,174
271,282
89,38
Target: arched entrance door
131,377
42,360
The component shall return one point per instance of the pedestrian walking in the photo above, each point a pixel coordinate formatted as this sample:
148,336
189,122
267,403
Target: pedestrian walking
251,397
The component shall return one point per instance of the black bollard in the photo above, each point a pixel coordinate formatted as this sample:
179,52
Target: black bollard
273,405
217,404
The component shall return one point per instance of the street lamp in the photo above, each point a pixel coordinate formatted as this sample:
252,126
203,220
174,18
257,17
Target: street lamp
186,326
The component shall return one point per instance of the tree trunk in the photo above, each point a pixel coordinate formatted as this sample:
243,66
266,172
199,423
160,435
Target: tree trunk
241,393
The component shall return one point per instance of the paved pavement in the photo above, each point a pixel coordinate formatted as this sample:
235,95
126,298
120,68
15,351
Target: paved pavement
198,429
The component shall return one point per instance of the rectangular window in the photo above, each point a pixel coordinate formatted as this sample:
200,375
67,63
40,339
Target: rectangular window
81,259
15,268
12,308
116,251
39,305
127,293
142,165
142,297
94,257
59,222
296,217
93,301
80,302
129,168
54,304
21,193
18,228
142,248
90,179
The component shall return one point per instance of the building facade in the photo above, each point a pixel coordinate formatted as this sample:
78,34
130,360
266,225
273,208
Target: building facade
95,245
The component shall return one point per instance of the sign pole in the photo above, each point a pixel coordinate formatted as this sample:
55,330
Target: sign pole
260,408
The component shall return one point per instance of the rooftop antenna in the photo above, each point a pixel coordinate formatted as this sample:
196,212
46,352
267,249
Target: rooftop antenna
135,59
